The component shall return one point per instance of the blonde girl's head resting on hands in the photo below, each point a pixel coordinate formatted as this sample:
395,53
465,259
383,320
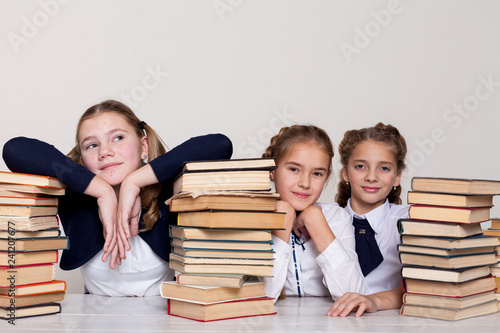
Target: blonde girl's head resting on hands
373,159
112,142
303,155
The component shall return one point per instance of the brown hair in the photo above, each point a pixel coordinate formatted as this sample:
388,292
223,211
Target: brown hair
386,134
156,148
288,137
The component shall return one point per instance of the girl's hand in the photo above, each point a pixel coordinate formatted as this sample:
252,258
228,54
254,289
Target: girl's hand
107,205
352,302
390,299
312,224
285,207
129,209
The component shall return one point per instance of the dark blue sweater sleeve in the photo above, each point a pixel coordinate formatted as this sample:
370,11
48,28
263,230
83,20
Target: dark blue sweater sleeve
37,157
207,147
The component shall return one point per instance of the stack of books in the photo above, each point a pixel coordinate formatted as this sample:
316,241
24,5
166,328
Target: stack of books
226,210
446,258
494,230
29,242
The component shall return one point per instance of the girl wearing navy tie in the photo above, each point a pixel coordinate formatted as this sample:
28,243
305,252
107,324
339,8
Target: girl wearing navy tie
369,190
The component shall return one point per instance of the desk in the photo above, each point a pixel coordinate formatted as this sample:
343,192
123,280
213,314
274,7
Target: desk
90,313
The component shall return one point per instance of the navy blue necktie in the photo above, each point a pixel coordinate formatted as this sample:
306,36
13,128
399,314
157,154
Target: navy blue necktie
369,255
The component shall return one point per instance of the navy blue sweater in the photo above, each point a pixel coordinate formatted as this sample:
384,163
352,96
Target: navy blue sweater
79,212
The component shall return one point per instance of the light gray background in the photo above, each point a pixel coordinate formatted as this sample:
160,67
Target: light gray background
248,67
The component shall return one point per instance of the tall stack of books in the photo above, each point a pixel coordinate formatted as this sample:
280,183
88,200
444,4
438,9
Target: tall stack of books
29,242
446,258
226,210
494,230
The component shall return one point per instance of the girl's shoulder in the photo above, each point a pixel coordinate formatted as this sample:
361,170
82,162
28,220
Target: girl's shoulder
400,211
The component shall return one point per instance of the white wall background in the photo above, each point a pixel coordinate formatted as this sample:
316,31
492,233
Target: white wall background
248,67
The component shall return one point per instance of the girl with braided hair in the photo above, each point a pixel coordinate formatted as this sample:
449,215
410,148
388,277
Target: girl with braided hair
369,190
314,254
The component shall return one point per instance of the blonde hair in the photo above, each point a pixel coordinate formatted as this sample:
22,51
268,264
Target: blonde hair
386,134
150,193
288,137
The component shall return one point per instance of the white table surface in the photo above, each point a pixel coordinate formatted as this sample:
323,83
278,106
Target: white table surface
90,313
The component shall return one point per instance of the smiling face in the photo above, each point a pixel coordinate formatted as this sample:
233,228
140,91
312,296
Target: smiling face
301,175
372,173
110,147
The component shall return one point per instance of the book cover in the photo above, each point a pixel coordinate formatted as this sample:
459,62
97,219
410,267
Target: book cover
449,314
445,275
219,311
449,214
28,274
455,185
449,200
220,245
222,253
34,244
220,260
31,311
448,289
221,269
12,259
53,286
206,234
452,262
219,280
30,179
230,164
450,243
438,229
223,200
232,219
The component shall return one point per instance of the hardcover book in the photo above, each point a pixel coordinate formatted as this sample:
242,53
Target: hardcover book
232,219
456,185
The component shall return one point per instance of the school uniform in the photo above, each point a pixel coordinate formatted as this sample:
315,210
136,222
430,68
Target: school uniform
79,212
301,271
383,221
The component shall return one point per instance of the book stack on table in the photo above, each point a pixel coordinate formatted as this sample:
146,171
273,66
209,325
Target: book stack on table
494,230
29,242
446,258
226,210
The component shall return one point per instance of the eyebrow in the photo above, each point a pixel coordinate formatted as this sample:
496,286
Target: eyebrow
379,162
110,132
299,165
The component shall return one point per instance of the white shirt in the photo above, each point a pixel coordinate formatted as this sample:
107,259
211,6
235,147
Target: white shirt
141,274
383,220
301,271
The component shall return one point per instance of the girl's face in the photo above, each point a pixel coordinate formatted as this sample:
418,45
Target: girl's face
372,173
110,147
301,175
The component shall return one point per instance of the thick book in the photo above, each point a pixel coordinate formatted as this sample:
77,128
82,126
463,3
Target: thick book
31,311
250,180
451,262
450,243
14,234
448,289
223,200
30,179
29,300
221,269
234,164
456,185
34,244
438,229
222,253
219,280
193,233
450,200
449,302
492,232
232,219
449,314
26,223
445,252
28,190
221,245
449,214
220,260
29,274
54,286
224,310
444,275
28,201
8,258
210,294
27,211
